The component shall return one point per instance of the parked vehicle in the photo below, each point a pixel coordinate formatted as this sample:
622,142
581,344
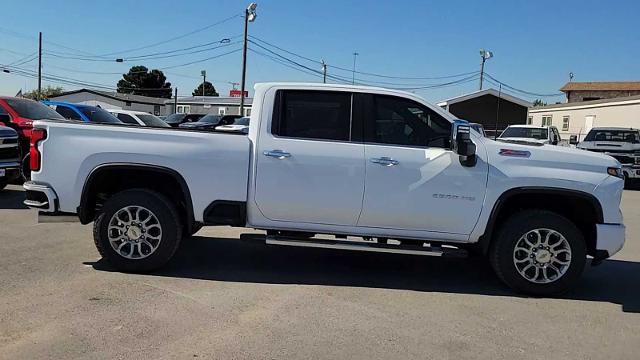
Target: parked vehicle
382,165
623,144
537,134
479,128
9,156
19,114
210,122
240,125
174,120
138,118
81,112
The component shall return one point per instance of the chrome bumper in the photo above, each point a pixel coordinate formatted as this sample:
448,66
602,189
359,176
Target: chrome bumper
40,197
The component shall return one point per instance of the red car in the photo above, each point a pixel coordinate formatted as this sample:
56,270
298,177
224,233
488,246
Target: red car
19,114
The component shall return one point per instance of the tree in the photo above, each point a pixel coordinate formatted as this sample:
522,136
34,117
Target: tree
538,102
45,94
140,81
209,90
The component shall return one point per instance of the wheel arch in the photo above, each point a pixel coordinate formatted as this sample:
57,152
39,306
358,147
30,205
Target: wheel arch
580,207
116,173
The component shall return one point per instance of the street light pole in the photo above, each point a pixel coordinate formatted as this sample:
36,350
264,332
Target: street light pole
38,97
353,80
249,16
204,80
486,55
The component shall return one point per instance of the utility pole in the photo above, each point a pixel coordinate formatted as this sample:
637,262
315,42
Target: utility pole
39,66
249,16
204,80
486,55
495,132
175,101
324,72
353,80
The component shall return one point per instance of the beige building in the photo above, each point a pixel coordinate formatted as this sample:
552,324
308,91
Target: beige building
578,118
597,90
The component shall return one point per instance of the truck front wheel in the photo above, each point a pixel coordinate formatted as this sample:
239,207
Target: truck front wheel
138,230
538,252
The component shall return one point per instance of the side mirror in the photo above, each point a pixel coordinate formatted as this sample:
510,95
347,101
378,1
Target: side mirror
573,140
463,146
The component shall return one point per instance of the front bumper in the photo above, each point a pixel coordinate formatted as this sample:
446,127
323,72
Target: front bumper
610,239
41,197
631,171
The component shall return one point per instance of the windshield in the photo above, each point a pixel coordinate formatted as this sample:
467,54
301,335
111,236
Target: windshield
99,115
210,119
33,110
152,120
529,133
242,121
175,118
613,135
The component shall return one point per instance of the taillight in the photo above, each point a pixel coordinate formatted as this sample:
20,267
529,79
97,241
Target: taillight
37,135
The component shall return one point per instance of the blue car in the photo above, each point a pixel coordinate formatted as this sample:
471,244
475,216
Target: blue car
80,112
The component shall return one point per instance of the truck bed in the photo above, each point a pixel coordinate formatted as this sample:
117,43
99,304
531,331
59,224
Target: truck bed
214,165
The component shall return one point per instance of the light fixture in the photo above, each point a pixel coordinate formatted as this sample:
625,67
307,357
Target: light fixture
251,12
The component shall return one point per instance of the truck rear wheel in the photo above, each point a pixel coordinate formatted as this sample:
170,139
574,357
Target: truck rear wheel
138,230
538,252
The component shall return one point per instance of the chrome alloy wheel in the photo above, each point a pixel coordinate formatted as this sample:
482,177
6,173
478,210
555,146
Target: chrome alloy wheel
542,256
134,232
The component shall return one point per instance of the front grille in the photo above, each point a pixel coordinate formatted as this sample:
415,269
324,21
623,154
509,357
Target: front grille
624,159
11,153
9,141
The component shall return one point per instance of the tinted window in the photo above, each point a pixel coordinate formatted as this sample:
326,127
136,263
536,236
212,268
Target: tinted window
613,135
210,119
399,121
521,132
127,119
32,110
68,113
98,115
242,121
152,120
174,118
313,114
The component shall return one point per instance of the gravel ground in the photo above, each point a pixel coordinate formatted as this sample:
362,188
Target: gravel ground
222,298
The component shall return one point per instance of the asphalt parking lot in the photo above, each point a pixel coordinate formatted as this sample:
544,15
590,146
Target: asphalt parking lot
222,298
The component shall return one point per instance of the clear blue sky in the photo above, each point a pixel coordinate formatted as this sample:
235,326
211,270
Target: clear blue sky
536,43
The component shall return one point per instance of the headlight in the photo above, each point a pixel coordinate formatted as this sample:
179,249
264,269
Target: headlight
617,172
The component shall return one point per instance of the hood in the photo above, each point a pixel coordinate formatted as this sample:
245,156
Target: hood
550,156
7,132
524,140
613,146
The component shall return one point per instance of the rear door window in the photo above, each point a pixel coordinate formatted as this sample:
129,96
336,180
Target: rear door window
127,119
68,113
304,114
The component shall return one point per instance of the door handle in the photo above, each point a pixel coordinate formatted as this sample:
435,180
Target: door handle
385,161
278,154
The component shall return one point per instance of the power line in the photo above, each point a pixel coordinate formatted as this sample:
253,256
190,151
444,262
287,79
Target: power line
176,37
362,72
521,91
201,60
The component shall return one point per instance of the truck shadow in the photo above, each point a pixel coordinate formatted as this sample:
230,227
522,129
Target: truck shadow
11,199
223,259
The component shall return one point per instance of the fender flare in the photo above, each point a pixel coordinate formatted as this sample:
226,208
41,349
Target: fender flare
485,238
85,214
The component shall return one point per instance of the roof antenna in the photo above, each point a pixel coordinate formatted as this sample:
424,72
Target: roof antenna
570,77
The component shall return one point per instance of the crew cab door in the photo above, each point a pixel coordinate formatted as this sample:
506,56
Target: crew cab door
309,166
414,182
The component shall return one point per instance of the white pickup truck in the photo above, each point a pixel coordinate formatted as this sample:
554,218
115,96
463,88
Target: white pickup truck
332,166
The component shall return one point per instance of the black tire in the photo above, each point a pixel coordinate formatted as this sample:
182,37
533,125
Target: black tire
3,184
167,216
501,254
